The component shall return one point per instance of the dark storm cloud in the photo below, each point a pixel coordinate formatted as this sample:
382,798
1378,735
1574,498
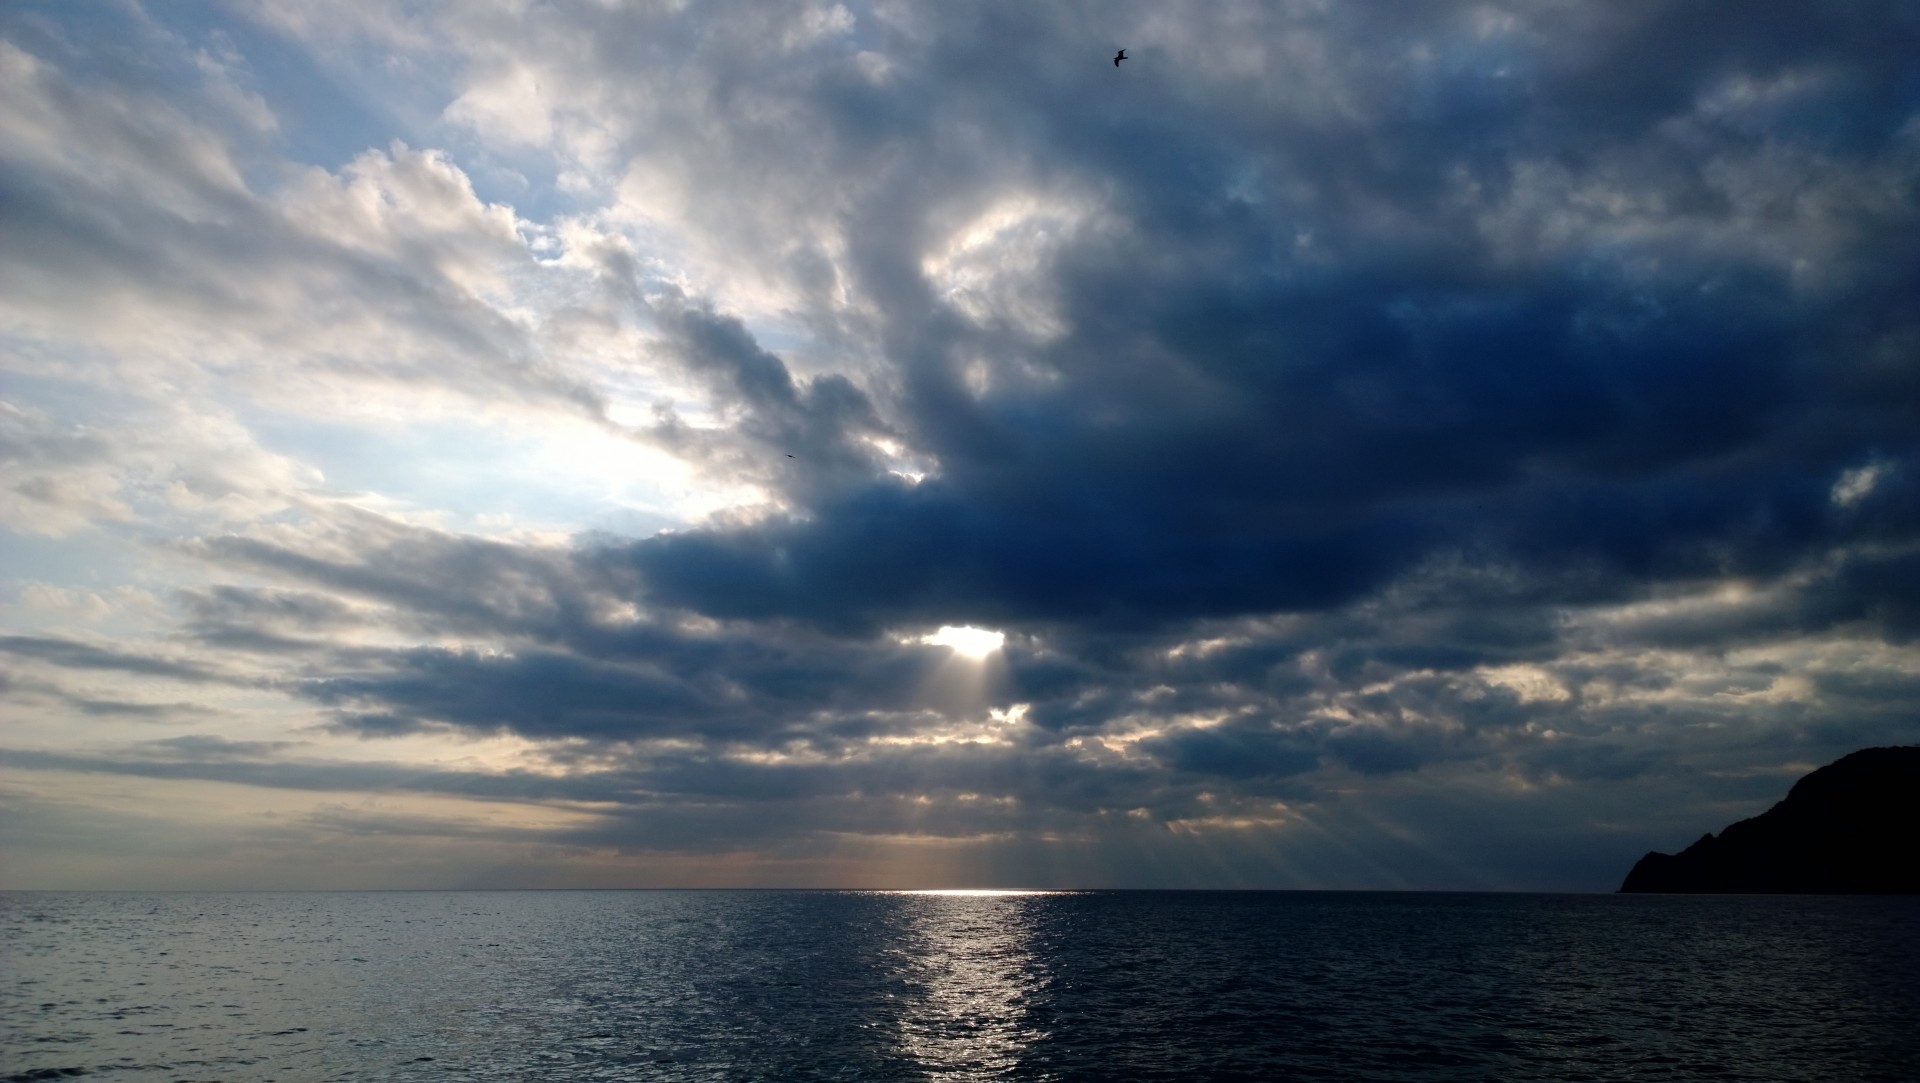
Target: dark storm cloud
449,582
894,553
1545,296
805,433
1339,688
536,694
579,665
1237,752
1591,760
1606,299
648,682
1860,593
236,763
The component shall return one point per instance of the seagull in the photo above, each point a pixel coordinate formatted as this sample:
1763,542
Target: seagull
1118,57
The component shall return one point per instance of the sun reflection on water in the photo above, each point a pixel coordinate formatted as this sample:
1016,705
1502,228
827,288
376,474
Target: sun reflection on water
969,957
975,892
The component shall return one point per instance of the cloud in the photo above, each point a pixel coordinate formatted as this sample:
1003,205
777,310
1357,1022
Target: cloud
1355,422
138,222
70,654
1285,370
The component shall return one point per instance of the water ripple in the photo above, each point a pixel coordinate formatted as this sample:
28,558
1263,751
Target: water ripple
691,986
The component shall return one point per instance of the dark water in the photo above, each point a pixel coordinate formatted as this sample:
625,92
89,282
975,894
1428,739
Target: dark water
827,985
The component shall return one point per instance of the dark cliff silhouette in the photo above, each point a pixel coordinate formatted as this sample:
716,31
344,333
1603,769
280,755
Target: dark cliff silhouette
1849,828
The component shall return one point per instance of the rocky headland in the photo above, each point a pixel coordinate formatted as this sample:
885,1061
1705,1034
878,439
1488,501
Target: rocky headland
1851,827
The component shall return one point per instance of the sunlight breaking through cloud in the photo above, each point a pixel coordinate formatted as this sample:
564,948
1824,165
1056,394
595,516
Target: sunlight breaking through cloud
931,447
974,643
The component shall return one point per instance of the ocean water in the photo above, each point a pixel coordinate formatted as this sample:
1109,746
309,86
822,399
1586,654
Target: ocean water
773,985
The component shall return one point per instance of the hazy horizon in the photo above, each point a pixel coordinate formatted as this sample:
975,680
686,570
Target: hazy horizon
1456,446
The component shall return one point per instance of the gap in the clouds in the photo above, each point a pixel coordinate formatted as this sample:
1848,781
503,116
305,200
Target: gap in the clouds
333,103
326,118
567,476
967,641
89,561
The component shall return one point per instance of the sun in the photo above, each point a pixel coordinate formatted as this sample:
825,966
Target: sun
974,643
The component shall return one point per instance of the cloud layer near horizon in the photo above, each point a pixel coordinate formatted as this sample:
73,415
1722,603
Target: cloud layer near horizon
1461,446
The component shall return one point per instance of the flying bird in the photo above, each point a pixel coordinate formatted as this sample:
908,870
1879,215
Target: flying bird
1118,57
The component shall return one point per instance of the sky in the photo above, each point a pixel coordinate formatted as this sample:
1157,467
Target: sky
1457,445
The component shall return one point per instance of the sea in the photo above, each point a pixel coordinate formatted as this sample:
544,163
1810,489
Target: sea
859,985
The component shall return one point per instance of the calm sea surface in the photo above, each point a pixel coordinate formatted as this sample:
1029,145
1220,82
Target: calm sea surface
725,985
